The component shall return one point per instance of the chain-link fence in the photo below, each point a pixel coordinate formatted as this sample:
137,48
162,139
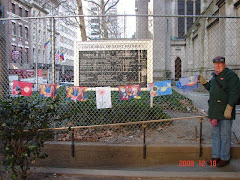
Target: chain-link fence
46,51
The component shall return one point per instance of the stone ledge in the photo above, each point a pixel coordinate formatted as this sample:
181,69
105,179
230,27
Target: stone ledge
98,155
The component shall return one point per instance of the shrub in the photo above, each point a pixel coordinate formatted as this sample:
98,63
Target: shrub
20,121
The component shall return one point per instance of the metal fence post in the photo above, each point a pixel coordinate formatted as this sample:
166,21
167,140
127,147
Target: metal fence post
72,145
200,138
144,141
53,50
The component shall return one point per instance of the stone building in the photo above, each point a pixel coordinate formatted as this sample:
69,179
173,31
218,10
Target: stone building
183,44
211,37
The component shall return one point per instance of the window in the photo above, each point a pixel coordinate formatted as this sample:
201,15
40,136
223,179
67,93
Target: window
20,11
26,32
13,28
189,12
20,56
20,30
94,20
34,33
15,54
26,56
34,58
43,57
95,26
13,8
198,7
39,35
26,13
94,33
181,20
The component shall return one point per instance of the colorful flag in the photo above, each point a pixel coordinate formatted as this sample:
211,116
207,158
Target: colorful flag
62,56
46,43
160,88
22,88
129,92
189,83
103,97
48,90
76,93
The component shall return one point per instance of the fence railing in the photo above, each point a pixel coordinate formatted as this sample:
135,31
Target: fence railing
47,50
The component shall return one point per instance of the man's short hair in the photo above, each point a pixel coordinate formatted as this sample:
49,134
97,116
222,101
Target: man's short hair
219,59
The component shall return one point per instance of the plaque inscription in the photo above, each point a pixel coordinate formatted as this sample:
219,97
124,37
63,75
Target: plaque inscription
112,68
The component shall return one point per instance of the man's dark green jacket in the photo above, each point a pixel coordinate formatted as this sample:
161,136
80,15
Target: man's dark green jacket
218,97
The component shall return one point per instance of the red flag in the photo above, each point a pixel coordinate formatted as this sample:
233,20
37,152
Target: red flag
22,88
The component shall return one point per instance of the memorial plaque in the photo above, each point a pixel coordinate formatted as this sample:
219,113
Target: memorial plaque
112,68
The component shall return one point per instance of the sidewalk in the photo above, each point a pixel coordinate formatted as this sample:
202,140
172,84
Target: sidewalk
199,99
141,172
165,171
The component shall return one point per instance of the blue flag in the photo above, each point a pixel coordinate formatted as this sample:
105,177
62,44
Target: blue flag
160,88
189,83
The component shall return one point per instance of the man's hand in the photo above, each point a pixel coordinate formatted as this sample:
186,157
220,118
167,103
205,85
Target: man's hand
228,112
202,79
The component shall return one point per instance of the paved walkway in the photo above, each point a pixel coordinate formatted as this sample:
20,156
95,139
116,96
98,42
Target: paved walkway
199,99
165,171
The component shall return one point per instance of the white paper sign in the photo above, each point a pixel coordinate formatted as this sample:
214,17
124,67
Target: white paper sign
103,97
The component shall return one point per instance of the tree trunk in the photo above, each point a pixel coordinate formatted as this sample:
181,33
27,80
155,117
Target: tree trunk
104,20
82,22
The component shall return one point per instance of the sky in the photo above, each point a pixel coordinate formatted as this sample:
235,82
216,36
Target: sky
128,7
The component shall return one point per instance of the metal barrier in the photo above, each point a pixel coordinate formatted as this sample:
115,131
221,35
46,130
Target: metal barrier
45,50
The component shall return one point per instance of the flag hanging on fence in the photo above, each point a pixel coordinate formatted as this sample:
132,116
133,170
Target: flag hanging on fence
48,90
46,43
76,93
22,88
160,88
129,92
62,56
103,97
189,83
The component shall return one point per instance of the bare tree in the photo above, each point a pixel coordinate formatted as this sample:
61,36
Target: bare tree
81,20
77,22
105,24
104,7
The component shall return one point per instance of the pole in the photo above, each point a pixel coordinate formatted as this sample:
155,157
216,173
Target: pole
200,138
72,145
53,50
144,141
36,58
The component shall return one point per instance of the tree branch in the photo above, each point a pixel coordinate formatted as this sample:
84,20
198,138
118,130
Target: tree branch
95,3
112,6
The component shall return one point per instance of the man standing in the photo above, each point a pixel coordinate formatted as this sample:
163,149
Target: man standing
224,89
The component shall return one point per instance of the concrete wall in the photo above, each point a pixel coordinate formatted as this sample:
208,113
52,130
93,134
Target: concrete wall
97,155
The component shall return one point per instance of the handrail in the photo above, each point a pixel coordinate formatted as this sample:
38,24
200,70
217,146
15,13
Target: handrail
123,124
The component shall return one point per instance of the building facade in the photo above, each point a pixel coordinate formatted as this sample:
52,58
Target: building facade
96,22
18,34
217,36
184,45
27,35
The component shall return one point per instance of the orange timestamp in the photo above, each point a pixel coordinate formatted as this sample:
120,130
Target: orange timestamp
192,163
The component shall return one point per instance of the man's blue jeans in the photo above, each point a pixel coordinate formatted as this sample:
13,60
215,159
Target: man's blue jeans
221,139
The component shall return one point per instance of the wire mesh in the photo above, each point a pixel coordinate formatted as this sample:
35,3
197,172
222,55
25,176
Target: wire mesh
39,51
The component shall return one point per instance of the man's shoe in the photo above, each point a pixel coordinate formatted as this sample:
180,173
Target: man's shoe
210,162
222,163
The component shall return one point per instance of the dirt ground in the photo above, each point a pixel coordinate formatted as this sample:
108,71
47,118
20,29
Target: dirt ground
176,132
